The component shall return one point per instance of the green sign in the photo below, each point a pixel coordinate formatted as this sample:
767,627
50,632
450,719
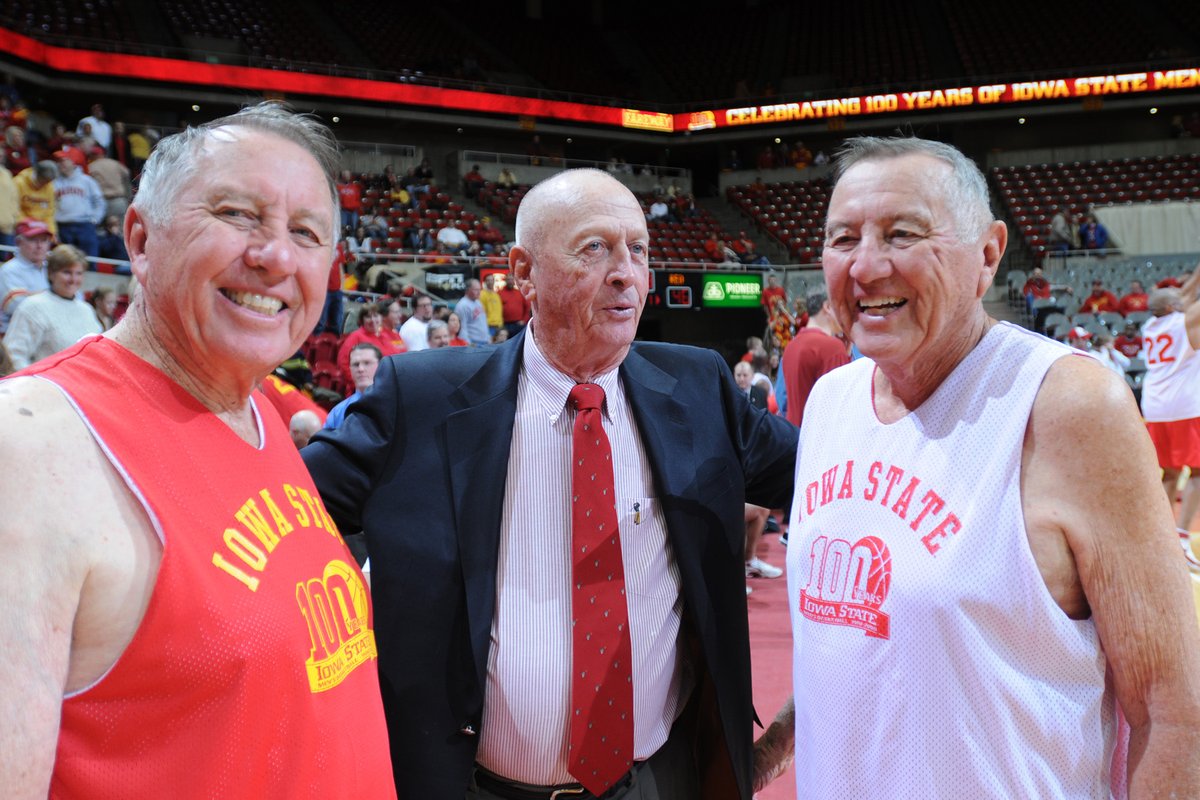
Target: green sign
731,290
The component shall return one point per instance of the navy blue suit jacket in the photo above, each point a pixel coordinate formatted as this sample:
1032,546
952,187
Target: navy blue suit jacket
419,465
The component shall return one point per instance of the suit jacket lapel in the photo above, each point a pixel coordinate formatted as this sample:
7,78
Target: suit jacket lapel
662,420
479,435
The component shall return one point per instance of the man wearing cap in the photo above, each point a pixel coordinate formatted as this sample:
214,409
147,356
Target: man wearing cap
79,205
25,273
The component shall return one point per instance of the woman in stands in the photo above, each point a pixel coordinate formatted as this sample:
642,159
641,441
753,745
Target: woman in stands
48,322
455,325
104,304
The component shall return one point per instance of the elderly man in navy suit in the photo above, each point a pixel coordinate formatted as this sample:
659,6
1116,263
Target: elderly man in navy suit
555,528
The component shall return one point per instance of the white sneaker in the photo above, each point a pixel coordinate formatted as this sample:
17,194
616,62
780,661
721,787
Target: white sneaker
757,568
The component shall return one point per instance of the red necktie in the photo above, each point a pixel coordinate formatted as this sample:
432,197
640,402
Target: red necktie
602,655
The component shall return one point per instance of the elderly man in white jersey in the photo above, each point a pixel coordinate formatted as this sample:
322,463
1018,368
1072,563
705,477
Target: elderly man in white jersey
985,604
1171,396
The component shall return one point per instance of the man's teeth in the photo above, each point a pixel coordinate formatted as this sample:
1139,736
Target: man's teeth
256,302
881,302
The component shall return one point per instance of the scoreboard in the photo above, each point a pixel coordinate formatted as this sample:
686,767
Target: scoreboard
694,289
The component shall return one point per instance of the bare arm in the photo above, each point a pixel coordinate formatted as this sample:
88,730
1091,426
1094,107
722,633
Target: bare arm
1087,447
775,750
40,584
1191,286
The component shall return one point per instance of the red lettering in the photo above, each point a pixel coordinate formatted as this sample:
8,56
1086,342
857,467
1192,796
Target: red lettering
810,497
872,476
901,506
893,477
931,502
950,525
847,490
827,481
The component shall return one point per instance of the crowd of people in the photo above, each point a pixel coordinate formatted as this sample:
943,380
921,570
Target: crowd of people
558,527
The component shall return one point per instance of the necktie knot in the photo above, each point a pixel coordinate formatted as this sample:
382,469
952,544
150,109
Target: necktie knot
586,396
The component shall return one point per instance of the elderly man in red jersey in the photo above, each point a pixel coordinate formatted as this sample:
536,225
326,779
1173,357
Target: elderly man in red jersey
181,613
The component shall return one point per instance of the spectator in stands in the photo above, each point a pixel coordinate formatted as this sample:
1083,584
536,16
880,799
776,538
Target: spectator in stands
371,331
78,205
1093,235
771,292
438,334
660,212
489,236
393,316
492,305
349,200
506,178
452,239
35,193
6,365
141,144
331,313
360,249
454,326
473,181
1170,402
1063,235
419,182
1129,340
514,306
747,251
16,154
120,144
104,303
375,225
1099,300
97,127
51,321
718,251
1135,299
1110,356
473,315
10,209
363,359
782,325
24,274
413,329
418,239
800,157
112,243
113,178
1036,287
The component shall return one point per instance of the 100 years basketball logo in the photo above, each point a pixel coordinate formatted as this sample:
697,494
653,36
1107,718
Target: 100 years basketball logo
847,584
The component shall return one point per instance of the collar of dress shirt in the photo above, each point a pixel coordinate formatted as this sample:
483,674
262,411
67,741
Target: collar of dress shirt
551,386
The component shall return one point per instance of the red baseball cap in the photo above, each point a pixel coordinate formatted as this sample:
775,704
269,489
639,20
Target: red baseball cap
74,154
29,228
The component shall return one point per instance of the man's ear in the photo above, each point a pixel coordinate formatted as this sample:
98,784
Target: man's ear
135,242
995,240
520,264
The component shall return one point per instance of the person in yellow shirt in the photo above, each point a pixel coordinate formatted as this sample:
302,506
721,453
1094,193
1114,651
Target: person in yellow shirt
35,193
10,210
491,305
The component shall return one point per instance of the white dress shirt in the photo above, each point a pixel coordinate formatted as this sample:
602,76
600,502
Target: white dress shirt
525,715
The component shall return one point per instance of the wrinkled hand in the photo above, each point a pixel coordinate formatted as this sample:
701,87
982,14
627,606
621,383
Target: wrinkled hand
775,749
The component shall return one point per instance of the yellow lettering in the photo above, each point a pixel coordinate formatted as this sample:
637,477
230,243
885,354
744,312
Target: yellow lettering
281,524
293,498
245,549
314,507
250,581
256,523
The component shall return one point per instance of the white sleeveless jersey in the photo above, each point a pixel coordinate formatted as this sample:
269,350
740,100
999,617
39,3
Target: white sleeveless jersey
930,661
1171,388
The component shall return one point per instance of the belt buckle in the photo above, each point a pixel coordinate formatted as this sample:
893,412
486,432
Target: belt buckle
572,792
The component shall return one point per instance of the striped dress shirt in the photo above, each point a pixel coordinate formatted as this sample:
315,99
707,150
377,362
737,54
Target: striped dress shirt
525,715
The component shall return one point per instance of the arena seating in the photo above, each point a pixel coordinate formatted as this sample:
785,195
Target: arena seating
1031,192
95,20
268,29
793,213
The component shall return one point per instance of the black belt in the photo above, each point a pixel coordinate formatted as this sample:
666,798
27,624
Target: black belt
523,791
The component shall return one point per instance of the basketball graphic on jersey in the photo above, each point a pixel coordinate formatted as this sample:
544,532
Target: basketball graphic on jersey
848,584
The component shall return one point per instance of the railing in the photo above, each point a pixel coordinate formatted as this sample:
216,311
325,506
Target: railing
525,160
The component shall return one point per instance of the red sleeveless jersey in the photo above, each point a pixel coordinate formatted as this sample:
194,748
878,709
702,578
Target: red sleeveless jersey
253,672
